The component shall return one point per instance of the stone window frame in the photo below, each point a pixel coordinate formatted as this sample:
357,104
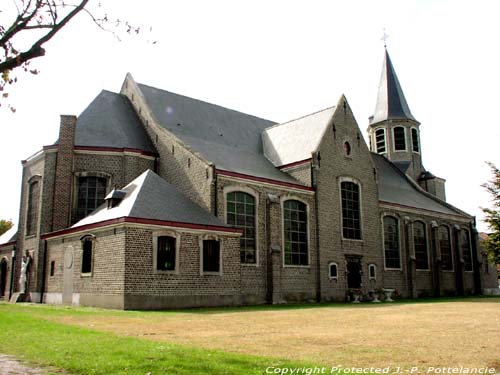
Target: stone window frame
372,266
427,244
394,138
450,247
76,176
375,131
166,233
360,191
413,139
330,271
27,230
462,230
291,197
93,239
398,226
245,189
213,237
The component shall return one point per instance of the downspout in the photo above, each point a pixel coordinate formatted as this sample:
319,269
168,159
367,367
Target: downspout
216,192
316,211
269,253
13,266
44,270
478,288
459,272
436,263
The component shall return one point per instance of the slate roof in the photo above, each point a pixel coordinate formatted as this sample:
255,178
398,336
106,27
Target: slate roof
110,121
151,197
9,236
296,140
394,187
229,139
391,103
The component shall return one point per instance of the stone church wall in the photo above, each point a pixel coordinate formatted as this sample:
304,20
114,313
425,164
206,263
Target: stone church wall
289,283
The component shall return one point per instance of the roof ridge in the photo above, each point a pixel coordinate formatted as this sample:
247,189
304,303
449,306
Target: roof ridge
301,117
205,102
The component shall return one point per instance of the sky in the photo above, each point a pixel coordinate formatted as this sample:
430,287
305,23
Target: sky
280,60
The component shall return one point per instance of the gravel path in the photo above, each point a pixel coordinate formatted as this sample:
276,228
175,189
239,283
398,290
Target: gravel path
10,366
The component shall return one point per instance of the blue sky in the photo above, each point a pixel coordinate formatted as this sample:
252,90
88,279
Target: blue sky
281,60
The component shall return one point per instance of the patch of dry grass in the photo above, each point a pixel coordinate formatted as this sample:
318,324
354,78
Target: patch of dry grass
453,333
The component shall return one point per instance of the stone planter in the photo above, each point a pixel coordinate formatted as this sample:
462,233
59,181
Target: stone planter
388,294
375,296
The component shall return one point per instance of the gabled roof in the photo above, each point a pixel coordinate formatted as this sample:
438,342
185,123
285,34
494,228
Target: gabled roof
227,138
110,121
152,198
9,236
391,102
395,187
296,140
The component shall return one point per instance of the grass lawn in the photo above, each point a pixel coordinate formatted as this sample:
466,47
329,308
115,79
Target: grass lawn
455,332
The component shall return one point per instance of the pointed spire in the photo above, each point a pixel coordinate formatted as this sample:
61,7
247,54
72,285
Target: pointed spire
391,102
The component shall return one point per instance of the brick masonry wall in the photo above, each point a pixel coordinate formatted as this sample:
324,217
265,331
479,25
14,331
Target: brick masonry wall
105,285
147,288
295,283
301,173
6,256
179,165
336,165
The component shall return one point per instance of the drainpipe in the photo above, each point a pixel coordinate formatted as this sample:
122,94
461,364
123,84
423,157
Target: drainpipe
316,211
44,269
11,289
478,288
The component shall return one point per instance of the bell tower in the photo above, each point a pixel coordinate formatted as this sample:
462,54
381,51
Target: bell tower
395,133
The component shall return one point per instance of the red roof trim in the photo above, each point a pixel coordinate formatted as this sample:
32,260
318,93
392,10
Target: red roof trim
106,149
8,243
421,209
289,165
262,179
137,220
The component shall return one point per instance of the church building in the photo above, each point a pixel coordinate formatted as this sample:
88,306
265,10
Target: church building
152,200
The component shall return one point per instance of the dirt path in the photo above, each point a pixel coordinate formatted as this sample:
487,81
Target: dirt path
10,366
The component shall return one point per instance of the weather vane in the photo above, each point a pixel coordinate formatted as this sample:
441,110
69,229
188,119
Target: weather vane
384,37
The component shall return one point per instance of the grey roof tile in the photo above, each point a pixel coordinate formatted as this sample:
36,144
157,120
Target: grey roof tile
151,197
110,121
394,187
229,139
391,102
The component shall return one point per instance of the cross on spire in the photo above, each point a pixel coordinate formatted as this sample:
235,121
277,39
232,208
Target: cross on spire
384,37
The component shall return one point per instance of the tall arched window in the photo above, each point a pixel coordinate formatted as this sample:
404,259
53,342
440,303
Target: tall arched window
240,212
466,249
420,243
445,248
414,140
295,233
391,243
351,212
399,138
32,207
380,141
91,191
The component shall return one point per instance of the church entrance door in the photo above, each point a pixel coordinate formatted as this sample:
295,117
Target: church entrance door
3,277
354,272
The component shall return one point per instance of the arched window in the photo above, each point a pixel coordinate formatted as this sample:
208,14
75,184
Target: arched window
466,250
91,191
420,243
333,271
32,208
372,271
351,212
399,138
391,242
87,250
380,141
295,233
240,212
414,140
445,248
